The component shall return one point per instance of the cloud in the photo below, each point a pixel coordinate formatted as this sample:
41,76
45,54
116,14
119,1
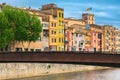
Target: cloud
104,14
93,5
115,23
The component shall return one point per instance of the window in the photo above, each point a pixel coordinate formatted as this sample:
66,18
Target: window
55,17
81,43
62,40
53,24
18,49
59,23
75,42
112,39
38,50
94,34
53,32
85,18
59,39
62,15
53,40
76,34
99,36
45,33
99,43
26,49
59,30
45,25
62,23
80,35
59,14
31,50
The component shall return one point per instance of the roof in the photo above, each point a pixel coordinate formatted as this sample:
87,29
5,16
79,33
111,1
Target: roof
77,26
87,14
74,19
96,26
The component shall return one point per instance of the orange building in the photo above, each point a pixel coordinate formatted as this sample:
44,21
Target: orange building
110,41
71,21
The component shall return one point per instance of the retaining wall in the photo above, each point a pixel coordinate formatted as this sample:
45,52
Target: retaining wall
19,70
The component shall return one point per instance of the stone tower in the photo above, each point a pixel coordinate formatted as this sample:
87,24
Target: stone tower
88,18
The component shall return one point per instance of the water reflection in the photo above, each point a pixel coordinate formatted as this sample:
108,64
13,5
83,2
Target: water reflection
111,74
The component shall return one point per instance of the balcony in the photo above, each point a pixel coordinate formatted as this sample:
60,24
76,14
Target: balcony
88,42
45,33
45,25
80,45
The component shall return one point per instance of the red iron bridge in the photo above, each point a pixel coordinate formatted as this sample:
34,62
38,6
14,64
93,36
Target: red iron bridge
86,58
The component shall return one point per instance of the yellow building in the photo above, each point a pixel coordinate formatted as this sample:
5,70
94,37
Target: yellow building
87,39
56,26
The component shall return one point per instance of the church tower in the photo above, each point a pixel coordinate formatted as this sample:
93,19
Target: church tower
88,18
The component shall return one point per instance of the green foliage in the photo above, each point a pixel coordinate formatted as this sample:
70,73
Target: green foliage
18,25
34,29
6,33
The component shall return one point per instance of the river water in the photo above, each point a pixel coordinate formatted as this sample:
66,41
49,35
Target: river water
109,74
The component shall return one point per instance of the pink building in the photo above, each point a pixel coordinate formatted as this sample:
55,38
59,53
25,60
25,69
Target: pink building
96,38
69,39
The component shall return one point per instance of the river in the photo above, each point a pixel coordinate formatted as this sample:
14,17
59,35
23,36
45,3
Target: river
109,74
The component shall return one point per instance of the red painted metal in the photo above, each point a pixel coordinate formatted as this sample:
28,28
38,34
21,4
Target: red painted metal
66,57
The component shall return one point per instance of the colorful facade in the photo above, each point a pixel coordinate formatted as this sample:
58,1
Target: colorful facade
70,34
87,39
110,41
96,38
56,26
45,37
68,39
78,37
118,44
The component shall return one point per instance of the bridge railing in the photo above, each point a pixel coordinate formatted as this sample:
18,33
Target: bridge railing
96,52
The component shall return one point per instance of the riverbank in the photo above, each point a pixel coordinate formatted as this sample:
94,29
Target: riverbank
20,70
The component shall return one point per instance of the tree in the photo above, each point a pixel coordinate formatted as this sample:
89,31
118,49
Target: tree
34,29
24,27
6,33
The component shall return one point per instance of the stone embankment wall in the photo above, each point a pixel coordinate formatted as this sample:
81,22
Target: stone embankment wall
19,70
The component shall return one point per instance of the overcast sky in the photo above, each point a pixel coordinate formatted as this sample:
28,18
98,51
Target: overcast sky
106,11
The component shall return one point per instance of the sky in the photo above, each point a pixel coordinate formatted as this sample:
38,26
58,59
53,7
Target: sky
107,12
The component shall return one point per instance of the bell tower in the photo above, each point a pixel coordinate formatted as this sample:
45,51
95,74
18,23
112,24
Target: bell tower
88,18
